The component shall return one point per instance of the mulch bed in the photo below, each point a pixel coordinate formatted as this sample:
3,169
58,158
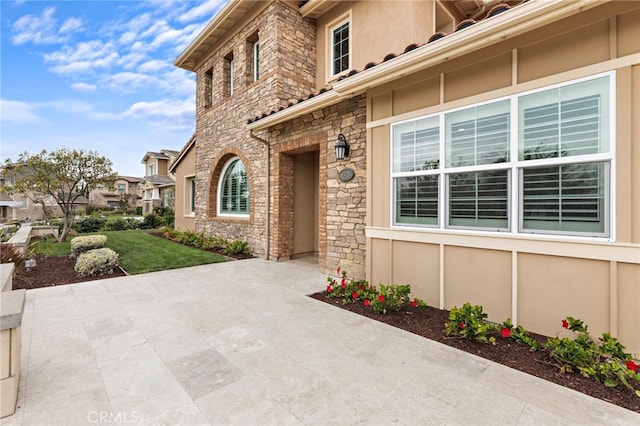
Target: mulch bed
429,323
52,271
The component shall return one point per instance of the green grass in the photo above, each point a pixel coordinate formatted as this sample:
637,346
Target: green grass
51,248
140,252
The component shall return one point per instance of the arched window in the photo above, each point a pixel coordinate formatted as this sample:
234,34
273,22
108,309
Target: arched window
233,189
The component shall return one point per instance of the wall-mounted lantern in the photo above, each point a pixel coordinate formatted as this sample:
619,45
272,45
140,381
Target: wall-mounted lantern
342,148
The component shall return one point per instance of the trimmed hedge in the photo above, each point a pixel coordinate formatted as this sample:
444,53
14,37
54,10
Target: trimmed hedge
100,261
83,244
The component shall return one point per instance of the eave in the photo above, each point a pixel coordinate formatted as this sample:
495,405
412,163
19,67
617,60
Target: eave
217,28
520,20
315,8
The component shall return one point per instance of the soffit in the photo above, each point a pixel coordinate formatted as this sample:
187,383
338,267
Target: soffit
316,8
217,28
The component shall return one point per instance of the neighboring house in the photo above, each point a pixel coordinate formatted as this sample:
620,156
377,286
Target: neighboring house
30,207
183,167
493,148
127,188
158,184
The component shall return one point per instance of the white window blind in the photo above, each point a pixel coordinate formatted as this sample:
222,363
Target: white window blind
234,189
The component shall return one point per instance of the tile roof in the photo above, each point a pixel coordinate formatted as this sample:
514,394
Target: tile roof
493,11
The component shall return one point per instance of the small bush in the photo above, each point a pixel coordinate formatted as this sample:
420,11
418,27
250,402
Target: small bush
100,261
151,221
236,247
122,224
89,224
470,322
80,245
10,254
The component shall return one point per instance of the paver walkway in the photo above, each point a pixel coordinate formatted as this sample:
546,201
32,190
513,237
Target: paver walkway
239,343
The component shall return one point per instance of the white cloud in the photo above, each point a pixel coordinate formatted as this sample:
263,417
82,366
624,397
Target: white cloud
43,29
84,87
207,10
83,57
17,112
171,114
70,25
153,66
128,82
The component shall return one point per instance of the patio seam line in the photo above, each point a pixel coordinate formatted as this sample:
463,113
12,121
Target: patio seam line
93,352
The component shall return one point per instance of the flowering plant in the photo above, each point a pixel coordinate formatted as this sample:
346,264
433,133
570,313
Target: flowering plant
470,322
605,360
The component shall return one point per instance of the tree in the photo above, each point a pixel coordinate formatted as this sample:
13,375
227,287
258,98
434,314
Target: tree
64,174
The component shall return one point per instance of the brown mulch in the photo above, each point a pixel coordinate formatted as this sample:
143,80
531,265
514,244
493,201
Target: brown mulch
429,323
52,271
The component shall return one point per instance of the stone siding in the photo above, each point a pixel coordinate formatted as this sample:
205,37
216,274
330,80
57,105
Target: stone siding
287,73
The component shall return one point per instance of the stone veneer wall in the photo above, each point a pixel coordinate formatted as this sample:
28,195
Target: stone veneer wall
287,73
342,205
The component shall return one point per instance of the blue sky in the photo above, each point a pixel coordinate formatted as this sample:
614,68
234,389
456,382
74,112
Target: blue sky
98,75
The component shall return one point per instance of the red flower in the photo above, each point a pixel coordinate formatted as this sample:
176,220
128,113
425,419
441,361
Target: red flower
367,303
338,271
632,366
328,289
461,325
415,303
565,324
506,332
354,294
381,298
343,284
361,287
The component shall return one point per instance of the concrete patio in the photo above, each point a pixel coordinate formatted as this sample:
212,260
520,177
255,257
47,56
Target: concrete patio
239,343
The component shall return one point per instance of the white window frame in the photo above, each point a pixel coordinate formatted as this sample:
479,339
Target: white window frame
189,196
219,191
344,19
515,168
232,73
256,60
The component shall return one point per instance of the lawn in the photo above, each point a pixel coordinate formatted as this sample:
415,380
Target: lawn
140,252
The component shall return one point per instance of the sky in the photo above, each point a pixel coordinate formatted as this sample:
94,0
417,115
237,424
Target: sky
98,75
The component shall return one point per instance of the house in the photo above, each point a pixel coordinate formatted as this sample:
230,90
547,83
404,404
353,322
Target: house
493,148
23,207
158,184
128,190
183,167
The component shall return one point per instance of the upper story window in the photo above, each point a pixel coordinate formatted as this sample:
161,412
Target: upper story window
538,162
122,187
340,45
150,170
228,74
233,189
253,57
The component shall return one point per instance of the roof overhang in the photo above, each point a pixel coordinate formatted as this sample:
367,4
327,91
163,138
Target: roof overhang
217,28
315,8
190,144
522,19
12,204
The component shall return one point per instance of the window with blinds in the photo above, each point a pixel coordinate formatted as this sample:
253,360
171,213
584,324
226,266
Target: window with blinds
462,164
234,189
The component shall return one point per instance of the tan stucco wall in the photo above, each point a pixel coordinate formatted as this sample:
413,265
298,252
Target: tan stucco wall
187,166
545,276
367,18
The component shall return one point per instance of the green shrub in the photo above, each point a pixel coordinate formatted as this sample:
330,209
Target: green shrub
122,224
151,221
139,211
89,224
236,247
470,322
390,298
100,261
83,244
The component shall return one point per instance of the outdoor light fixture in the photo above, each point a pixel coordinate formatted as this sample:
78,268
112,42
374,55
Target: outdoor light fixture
342,148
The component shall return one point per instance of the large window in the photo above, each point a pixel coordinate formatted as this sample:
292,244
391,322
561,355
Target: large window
340,46
233,189
538,162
